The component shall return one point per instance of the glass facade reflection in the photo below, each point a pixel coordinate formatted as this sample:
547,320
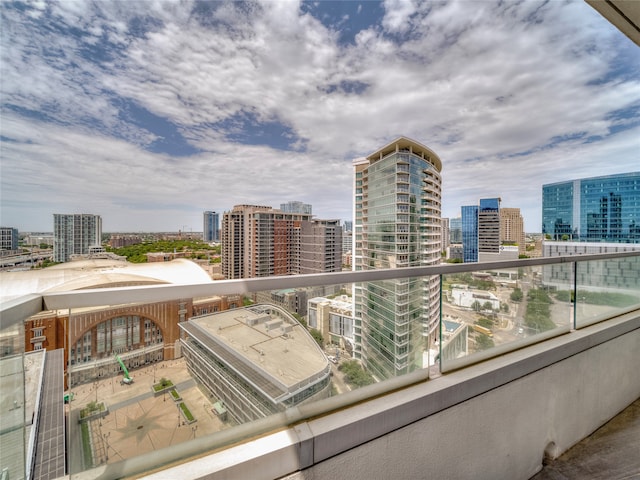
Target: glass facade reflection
598,209
470,233
397,196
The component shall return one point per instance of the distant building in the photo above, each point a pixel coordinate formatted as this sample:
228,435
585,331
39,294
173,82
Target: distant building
333,318
320,246
470,233
489,225
296,207
294,300
211,227
491,233
347,241
464,297
9,238
445,234
120,241
37,239
397,196
597,209
255,360
347,226
512,229
259,241
74,234
455,230
455,251
615,275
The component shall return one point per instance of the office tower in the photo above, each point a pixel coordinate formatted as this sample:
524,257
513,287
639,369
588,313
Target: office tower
348,226
211,227
397,224
74,234
445,233
320,246
347,241
296,207
597,209
470,233
8,238
489,225
455,230
258,241
512,228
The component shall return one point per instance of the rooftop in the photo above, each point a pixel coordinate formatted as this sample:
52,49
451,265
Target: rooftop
275,346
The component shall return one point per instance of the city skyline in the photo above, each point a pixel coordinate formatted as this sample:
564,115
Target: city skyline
147,114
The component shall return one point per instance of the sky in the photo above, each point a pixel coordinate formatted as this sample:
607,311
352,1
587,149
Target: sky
149,113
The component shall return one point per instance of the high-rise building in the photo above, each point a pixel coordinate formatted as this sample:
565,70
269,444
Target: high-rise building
455,230
259,241
348,226
296,207
597,209
320,246
397,195
9,238
470,233
74,234
489,225
445,233
512,228
211,227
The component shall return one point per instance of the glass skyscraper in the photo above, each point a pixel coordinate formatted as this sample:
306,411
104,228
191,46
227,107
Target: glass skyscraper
397,224
598,209
470,233
211,227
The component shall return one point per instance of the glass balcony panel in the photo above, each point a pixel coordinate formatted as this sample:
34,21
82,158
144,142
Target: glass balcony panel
20,373
486,313
605,288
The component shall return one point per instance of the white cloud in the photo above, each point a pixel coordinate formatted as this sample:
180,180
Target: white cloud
491,89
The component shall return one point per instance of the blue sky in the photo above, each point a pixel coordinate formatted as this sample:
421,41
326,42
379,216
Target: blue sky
149,113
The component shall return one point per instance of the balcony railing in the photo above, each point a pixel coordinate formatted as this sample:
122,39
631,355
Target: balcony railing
486,310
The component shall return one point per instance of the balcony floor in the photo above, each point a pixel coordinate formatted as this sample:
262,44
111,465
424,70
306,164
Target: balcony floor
611,452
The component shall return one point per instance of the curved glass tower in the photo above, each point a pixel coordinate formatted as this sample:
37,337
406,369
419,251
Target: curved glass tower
397,224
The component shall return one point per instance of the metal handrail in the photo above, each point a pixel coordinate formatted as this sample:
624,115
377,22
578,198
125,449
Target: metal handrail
17,310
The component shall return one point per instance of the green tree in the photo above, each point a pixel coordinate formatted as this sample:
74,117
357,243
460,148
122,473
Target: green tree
475,306
317,336
354,374
516,295
487,306
485,322
483,342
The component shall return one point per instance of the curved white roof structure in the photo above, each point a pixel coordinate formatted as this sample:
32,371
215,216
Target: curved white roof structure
85,274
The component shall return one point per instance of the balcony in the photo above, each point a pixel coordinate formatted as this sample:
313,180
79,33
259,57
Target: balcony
557,373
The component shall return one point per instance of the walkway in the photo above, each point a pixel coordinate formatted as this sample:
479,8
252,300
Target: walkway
611,453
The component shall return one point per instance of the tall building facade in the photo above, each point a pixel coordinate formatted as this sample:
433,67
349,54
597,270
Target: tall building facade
469,233
445,234
455,230
74,234
512,228
397,197
211,227
9,238
259,241
489,225
296,207
596,209
320,246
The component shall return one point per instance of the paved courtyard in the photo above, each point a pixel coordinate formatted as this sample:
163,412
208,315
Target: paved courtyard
139,422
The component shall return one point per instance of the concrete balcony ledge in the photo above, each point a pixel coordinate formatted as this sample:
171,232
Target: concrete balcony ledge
495,419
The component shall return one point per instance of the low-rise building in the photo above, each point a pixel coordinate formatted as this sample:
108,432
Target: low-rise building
255,360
